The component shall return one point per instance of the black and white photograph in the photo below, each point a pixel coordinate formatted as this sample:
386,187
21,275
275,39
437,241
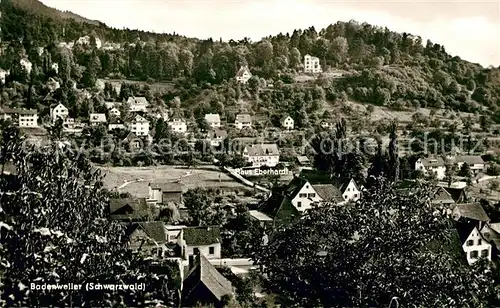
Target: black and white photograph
250,153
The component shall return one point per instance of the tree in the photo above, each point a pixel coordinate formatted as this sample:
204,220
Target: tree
450,172
485,123
54,231
199,203
364,254
465,171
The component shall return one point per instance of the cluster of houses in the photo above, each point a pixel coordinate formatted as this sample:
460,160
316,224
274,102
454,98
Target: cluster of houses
437,165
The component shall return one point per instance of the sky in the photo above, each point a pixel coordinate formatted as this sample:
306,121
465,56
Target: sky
468,29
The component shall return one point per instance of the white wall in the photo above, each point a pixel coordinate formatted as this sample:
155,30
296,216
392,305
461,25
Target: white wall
306,201
351,193
205,250
476,243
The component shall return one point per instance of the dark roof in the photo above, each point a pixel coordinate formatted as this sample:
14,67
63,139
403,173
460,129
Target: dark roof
217,132
316,177
243,118
459,195
8,110
464,230
474,211
470,159
279,207
441,195
328,192
167,187
206,274
195,236
128,208
154,229
433,162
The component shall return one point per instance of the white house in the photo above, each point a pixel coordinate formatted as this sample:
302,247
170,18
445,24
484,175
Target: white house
350,190
116,124
22,117
26,64
3,75
178,125
55,67
139,126
243,120
475,162
435,165
287,122
58,111
243,74
311,64
173,232
474,244
262,155
27,117
137,104
85,40
206,240
304,194
213,119
97,118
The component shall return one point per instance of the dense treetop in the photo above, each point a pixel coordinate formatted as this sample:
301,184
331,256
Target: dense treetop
382,67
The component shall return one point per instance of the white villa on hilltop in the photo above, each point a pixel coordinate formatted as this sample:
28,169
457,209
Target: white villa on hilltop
311,64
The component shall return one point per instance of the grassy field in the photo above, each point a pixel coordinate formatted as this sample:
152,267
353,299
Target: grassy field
207,177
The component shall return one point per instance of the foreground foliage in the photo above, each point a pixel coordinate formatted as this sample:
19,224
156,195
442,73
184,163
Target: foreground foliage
368,253
53,229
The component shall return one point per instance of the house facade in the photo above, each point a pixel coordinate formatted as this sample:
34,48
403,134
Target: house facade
164,193
139,126
137,104
205,240
435,165
213,120
350,191
243,120
312,65
475,162
262,155
26,118
476,246
178,125
97,118
243,75
287,123
58,111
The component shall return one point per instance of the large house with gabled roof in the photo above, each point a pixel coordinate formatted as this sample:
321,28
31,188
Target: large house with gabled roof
204,285
262,155
431,165
137,104
243,74
206,240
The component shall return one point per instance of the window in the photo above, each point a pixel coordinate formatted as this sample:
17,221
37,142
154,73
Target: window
173,237
348,189
470,242
302,195
196,251
484,253
473,254
299,204
355,195
479,242
211,250
487,235
312,195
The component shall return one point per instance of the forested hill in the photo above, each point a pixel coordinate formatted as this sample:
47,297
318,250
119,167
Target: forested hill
384,67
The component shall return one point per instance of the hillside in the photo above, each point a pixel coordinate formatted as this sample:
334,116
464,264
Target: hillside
38,7
382,67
